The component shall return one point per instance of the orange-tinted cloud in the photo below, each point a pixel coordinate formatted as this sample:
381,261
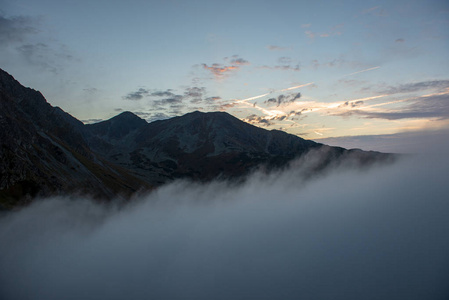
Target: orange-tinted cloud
219,70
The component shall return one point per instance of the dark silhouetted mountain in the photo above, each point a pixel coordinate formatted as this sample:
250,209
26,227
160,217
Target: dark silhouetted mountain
197,145
45,151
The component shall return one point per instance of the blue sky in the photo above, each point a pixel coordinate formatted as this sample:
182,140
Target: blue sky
319,70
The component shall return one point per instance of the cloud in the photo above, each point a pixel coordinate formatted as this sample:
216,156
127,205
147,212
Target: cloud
296,68
352,233
221,71
156,116
375,11
429,142
45,57
277,48
259,120
416,86
168,99
352,104
90,90
333,31
195,94
284,99
137,95
37,54
91,121
166,93
400,41
17,29
284,60
283,63
433,106
239,61
213,99
21,34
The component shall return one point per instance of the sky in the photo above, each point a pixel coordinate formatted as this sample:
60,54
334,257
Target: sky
365,74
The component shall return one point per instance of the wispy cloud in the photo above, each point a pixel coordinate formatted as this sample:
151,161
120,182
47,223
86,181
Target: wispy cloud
361,71
277,48
333,31
423,107
284,63
375,11
23,35
16,29
416,86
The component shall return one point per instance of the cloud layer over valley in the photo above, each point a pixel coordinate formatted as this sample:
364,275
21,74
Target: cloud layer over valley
378,233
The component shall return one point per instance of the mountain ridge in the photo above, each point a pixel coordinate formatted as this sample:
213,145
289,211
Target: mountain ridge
45,151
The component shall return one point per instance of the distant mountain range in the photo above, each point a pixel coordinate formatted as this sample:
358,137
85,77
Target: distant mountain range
45,151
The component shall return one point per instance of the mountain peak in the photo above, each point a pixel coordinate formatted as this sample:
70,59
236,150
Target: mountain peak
127,115
117,127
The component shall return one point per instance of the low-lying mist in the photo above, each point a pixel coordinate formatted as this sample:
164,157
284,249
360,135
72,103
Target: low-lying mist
353,233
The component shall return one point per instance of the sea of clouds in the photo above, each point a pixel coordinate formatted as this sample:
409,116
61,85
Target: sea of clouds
351,233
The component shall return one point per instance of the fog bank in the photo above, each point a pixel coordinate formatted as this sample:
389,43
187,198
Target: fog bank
355,233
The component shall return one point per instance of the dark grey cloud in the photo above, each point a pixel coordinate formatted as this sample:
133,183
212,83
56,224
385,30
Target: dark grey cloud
239,61
192,94
195,94
166,93
416,86
284,99
352,104
175,99
399,40
137,95
269,121
378,233
255,119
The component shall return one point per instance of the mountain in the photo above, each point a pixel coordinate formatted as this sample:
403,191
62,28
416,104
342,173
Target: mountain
197,145
45,151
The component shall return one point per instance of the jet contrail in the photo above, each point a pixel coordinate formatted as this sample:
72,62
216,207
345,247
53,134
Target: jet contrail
287,89
362,71
252,98
295,87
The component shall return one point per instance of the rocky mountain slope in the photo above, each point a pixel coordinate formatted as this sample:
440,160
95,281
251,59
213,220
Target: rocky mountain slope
45,151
